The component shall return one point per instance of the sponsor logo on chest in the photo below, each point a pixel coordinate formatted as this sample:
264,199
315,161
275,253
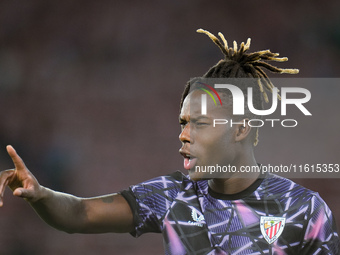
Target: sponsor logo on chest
197,217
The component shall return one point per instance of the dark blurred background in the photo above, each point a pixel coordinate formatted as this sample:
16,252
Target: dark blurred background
90,90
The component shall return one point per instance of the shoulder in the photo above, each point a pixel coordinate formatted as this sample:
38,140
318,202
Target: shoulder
166,186
175,179
274,184
293,194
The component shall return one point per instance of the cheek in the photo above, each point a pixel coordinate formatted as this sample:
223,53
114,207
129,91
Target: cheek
223,135
218,144
224,146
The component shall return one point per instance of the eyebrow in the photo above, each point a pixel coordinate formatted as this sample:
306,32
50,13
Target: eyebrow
200,117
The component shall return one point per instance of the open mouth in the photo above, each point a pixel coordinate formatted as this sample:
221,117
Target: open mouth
189,160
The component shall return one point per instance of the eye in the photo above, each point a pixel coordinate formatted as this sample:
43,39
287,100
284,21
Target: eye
201,123
183,123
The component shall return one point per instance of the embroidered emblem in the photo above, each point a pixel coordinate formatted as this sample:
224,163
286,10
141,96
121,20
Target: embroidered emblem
197,218
272,227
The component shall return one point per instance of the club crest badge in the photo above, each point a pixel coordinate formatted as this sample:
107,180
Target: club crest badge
272,227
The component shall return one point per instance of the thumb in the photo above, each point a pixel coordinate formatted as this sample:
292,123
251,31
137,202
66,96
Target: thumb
24,193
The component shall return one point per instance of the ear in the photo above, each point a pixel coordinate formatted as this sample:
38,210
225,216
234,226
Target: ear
242,130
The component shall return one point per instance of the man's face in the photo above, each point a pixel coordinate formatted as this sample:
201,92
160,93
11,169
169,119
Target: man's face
202,143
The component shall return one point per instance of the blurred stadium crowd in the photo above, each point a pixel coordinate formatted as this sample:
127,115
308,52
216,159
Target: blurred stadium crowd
89,96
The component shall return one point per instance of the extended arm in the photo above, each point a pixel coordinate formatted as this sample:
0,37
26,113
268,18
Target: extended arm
110,213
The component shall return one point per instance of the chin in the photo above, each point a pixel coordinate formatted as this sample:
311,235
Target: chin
195,176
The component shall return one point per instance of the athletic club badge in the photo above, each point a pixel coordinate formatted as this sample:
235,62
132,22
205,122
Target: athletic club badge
272,227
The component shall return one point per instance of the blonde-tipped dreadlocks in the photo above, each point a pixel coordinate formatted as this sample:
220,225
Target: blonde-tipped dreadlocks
237,63
254,61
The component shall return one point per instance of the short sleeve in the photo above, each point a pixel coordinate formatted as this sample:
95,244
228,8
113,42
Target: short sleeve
150,200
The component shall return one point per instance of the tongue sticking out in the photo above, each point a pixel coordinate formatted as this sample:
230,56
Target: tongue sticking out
189,163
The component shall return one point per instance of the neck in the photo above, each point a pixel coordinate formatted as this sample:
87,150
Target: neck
237,182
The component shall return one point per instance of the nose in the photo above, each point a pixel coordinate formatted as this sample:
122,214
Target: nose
184,136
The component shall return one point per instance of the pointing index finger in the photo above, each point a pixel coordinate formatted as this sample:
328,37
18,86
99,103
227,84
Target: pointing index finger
18,163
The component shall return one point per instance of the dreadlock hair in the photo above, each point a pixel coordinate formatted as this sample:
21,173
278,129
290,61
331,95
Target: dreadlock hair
237,63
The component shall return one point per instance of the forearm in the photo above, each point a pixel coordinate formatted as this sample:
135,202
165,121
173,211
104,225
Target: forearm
60,210
109,213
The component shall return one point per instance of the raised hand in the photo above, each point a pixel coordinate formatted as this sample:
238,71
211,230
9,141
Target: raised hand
109,213
20,180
